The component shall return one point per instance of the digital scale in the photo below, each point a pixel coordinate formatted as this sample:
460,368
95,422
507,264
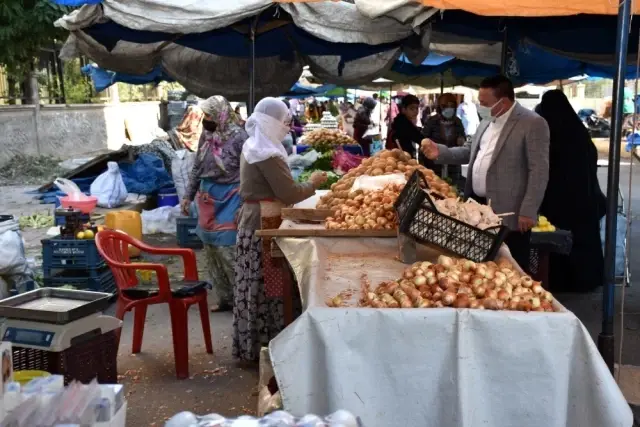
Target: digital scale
53,319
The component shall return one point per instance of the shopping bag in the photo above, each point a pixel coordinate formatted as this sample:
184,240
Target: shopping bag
109,187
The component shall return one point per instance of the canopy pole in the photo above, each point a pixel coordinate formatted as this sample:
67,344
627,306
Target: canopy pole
606,340
252,67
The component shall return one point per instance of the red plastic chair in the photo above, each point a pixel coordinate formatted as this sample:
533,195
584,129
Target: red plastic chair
113,247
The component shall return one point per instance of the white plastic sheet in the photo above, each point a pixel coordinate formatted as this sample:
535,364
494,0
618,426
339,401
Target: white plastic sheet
432,367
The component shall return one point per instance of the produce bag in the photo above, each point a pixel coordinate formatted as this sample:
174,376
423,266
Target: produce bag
70,188
160,220
302,161
13,261
109,187
181,169
344,161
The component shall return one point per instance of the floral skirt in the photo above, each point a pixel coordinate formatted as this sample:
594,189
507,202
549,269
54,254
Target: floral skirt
256,318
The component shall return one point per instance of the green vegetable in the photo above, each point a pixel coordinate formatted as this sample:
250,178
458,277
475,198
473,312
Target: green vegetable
324,162
331,178
35,221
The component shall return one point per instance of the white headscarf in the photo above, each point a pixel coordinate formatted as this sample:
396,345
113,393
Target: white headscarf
267,129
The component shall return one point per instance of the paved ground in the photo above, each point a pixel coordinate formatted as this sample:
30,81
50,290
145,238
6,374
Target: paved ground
218,384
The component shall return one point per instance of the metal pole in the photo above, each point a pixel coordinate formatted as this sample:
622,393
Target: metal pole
606,340
252,67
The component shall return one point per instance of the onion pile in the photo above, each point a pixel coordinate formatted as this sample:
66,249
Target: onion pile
471,212
461,284
385,162
327,137
366,210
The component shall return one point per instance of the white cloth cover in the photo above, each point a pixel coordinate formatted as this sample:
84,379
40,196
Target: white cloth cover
181,167
266,128
432,367
109,187
331,21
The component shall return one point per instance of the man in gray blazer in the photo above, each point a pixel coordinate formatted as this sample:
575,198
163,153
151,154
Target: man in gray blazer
508,161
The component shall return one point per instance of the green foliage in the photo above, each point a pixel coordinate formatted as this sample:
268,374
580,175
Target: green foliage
26,26
77,87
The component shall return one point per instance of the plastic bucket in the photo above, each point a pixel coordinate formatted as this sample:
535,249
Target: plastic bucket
23,377
168,197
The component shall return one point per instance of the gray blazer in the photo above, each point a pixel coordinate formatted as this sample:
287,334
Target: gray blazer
519,169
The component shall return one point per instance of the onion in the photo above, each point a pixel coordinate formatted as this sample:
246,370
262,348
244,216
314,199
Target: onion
431,280
360,220
514,281
476,281
546,305
445,261
468,265
405,282
418,271
381,220
481,271
437,296
407,274
474,304
524,306
503,295
537,289
449,298
513,305
446,282
499,282
438,304
490,274
465,277
490,304
548,296
500,275
516,298
429,273
420,280
465,290
454,276
425,265
492,294
441,275
480,291
462,302
535,302
526,281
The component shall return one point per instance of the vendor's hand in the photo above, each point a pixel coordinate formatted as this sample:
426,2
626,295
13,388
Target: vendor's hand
185,204
318,178
429,149
525,223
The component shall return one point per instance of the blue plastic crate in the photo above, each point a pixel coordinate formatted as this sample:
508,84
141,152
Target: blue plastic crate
70,253
62,220
186,233
101,280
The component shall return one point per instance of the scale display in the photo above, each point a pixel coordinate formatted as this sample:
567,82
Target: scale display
28,336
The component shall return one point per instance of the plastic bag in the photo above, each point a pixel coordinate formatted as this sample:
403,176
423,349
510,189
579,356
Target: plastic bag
160,220
70,189
372,183
344,161
181,169
302,161
109,187
340,418
12,255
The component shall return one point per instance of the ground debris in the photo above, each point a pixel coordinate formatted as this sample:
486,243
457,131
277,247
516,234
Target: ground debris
26,170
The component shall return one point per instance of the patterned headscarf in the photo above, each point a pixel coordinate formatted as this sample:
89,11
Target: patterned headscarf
219,110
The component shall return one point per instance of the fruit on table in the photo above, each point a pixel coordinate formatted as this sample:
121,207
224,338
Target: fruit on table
88,234
80,235
543,226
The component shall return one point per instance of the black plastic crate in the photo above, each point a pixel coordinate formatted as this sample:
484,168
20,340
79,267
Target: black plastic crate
70,253
186,233
98,280
420,219
62,220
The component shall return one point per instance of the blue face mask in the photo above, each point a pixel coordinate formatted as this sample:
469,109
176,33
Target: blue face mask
448,113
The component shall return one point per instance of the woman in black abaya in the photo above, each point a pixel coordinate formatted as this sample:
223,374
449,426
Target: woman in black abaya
573,199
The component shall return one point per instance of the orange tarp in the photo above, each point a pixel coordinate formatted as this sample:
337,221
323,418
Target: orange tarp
532,7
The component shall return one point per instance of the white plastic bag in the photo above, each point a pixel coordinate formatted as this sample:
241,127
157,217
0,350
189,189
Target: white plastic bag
181,167
70,189
160,220
12,256
109,187
372,183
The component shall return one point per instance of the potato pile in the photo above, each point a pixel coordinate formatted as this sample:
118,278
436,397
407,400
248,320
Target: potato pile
327,137
383,163
367,210
459,283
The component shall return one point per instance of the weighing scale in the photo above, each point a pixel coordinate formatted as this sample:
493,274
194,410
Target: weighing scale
53,319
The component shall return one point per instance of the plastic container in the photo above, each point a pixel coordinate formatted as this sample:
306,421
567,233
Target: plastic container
420,219
97,280
85,206
70,253
23,377
186,233
168,197
128,221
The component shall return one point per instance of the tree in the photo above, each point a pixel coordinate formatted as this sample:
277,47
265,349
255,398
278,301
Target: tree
26,26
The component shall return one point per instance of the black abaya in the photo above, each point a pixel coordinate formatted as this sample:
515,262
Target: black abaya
573,199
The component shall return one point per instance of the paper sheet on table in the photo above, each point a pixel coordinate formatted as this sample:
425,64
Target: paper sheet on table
432,367
371,183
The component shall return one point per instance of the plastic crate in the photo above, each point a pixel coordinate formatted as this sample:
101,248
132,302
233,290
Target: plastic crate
186,233
420,219
62,220
91,356
98,280
70,253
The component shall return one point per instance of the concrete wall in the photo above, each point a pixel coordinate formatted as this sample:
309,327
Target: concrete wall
69,131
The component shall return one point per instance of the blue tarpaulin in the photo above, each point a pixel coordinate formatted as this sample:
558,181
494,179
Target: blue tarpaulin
146,175
102,79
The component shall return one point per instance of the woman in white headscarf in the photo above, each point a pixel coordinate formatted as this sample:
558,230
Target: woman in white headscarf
264,176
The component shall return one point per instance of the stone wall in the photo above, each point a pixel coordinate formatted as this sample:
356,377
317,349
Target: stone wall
68,131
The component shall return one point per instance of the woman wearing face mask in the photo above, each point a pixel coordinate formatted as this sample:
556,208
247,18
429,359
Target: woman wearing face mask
264,177
445,128
213,185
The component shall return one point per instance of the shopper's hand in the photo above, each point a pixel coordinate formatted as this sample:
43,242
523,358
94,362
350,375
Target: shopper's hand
429,149
185,204
318,178
525,223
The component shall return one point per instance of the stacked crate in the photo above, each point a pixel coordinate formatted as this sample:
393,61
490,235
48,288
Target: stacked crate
77,263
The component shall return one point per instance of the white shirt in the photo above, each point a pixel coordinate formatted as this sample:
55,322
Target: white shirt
485,153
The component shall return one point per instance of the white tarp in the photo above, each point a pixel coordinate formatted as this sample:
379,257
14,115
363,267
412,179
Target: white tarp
432,367
206,74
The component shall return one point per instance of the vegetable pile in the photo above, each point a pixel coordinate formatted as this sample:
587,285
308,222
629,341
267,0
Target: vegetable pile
457,283
385,162
332,178
367,210
36,221
323,139
471,212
